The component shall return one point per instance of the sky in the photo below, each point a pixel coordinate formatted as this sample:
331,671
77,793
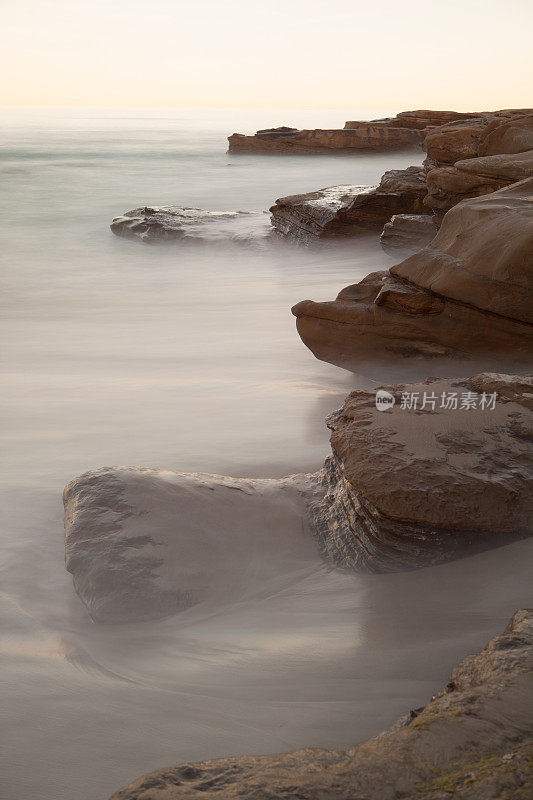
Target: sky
460,54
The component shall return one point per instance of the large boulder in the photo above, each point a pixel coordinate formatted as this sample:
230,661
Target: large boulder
512,135
471,741
349,210
482,254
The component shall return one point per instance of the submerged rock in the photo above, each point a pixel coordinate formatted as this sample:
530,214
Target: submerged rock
167,223
349,210
472,741
465,296
408,233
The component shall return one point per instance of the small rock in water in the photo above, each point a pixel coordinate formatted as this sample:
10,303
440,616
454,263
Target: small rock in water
160,223
408,232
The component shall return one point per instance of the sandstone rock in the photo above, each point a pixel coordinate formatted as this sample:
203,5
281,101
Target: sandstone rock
417,120
457,140
474,177
416,484
514,135
408,233
476,276
348,210
482,254
167,223
472,741
367,136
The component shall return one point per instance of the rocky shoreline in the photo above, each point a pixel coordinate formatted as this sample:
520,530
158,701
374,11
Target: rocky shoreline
471,741
421,472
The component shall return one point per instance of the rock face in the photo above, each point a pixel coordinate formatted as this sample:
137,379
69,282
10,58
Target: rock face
472,741
407,233
168,223
416,484
370,136
482,254
348,210
474,177
465,296
417,120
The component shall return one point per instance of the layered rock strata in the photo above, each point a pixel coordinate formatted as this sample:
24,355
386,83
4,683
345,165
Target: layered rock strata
472,740
373,137
348,210
407,233
443,472
465,296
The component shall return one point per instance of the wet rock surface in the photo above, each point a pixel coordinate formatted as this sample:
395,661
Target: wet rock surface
472,741
349,210
169,223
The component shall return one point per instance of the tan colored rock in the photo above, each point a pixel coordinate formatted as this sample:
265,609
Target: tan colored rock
374,137
482,255
457,140
349,210
472,741
474,177
514,135
407,233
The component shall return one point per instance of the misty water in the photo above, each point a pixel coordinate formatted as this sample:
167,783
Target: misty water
186,357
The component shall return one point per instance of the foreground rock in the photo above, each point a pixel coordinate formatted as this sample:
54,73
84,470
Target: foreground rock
472,741
170,223
407,233
446,474
467,296
348,210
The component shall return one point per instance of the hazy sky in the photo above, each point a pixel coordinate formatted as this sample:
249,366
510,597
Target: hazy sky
462,54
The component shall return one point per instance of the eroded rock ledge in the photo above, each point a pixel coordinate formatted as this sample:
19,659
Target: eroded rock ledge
465,296
472,741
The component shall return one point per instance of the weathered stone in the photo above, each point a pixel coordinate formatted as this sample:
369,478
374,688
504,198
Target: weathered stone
367,136
472,741
349,210
514,135
456,140
482,254
408,233
478,272
474,177
166,223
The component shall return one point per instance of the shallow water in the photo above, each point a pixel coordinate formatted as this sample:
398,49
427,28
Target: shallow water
187,358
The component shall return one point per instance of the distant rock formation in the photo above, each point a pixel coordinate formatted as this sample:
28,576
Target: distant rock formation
167,223
374,137
345,210
472,740
465,296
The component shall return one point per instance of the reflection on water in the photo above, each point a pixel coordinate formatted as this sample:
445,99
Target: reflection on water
187,358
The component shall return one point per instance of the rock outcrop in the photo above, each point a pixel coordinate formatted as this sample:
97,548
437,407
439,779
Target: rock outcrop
443,472
465,296
474,177
348,210
371,137
407,233
168,223
472,740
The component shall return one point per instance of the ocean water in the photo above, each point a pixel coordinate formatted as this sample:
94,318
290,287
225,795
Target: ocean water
186,357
